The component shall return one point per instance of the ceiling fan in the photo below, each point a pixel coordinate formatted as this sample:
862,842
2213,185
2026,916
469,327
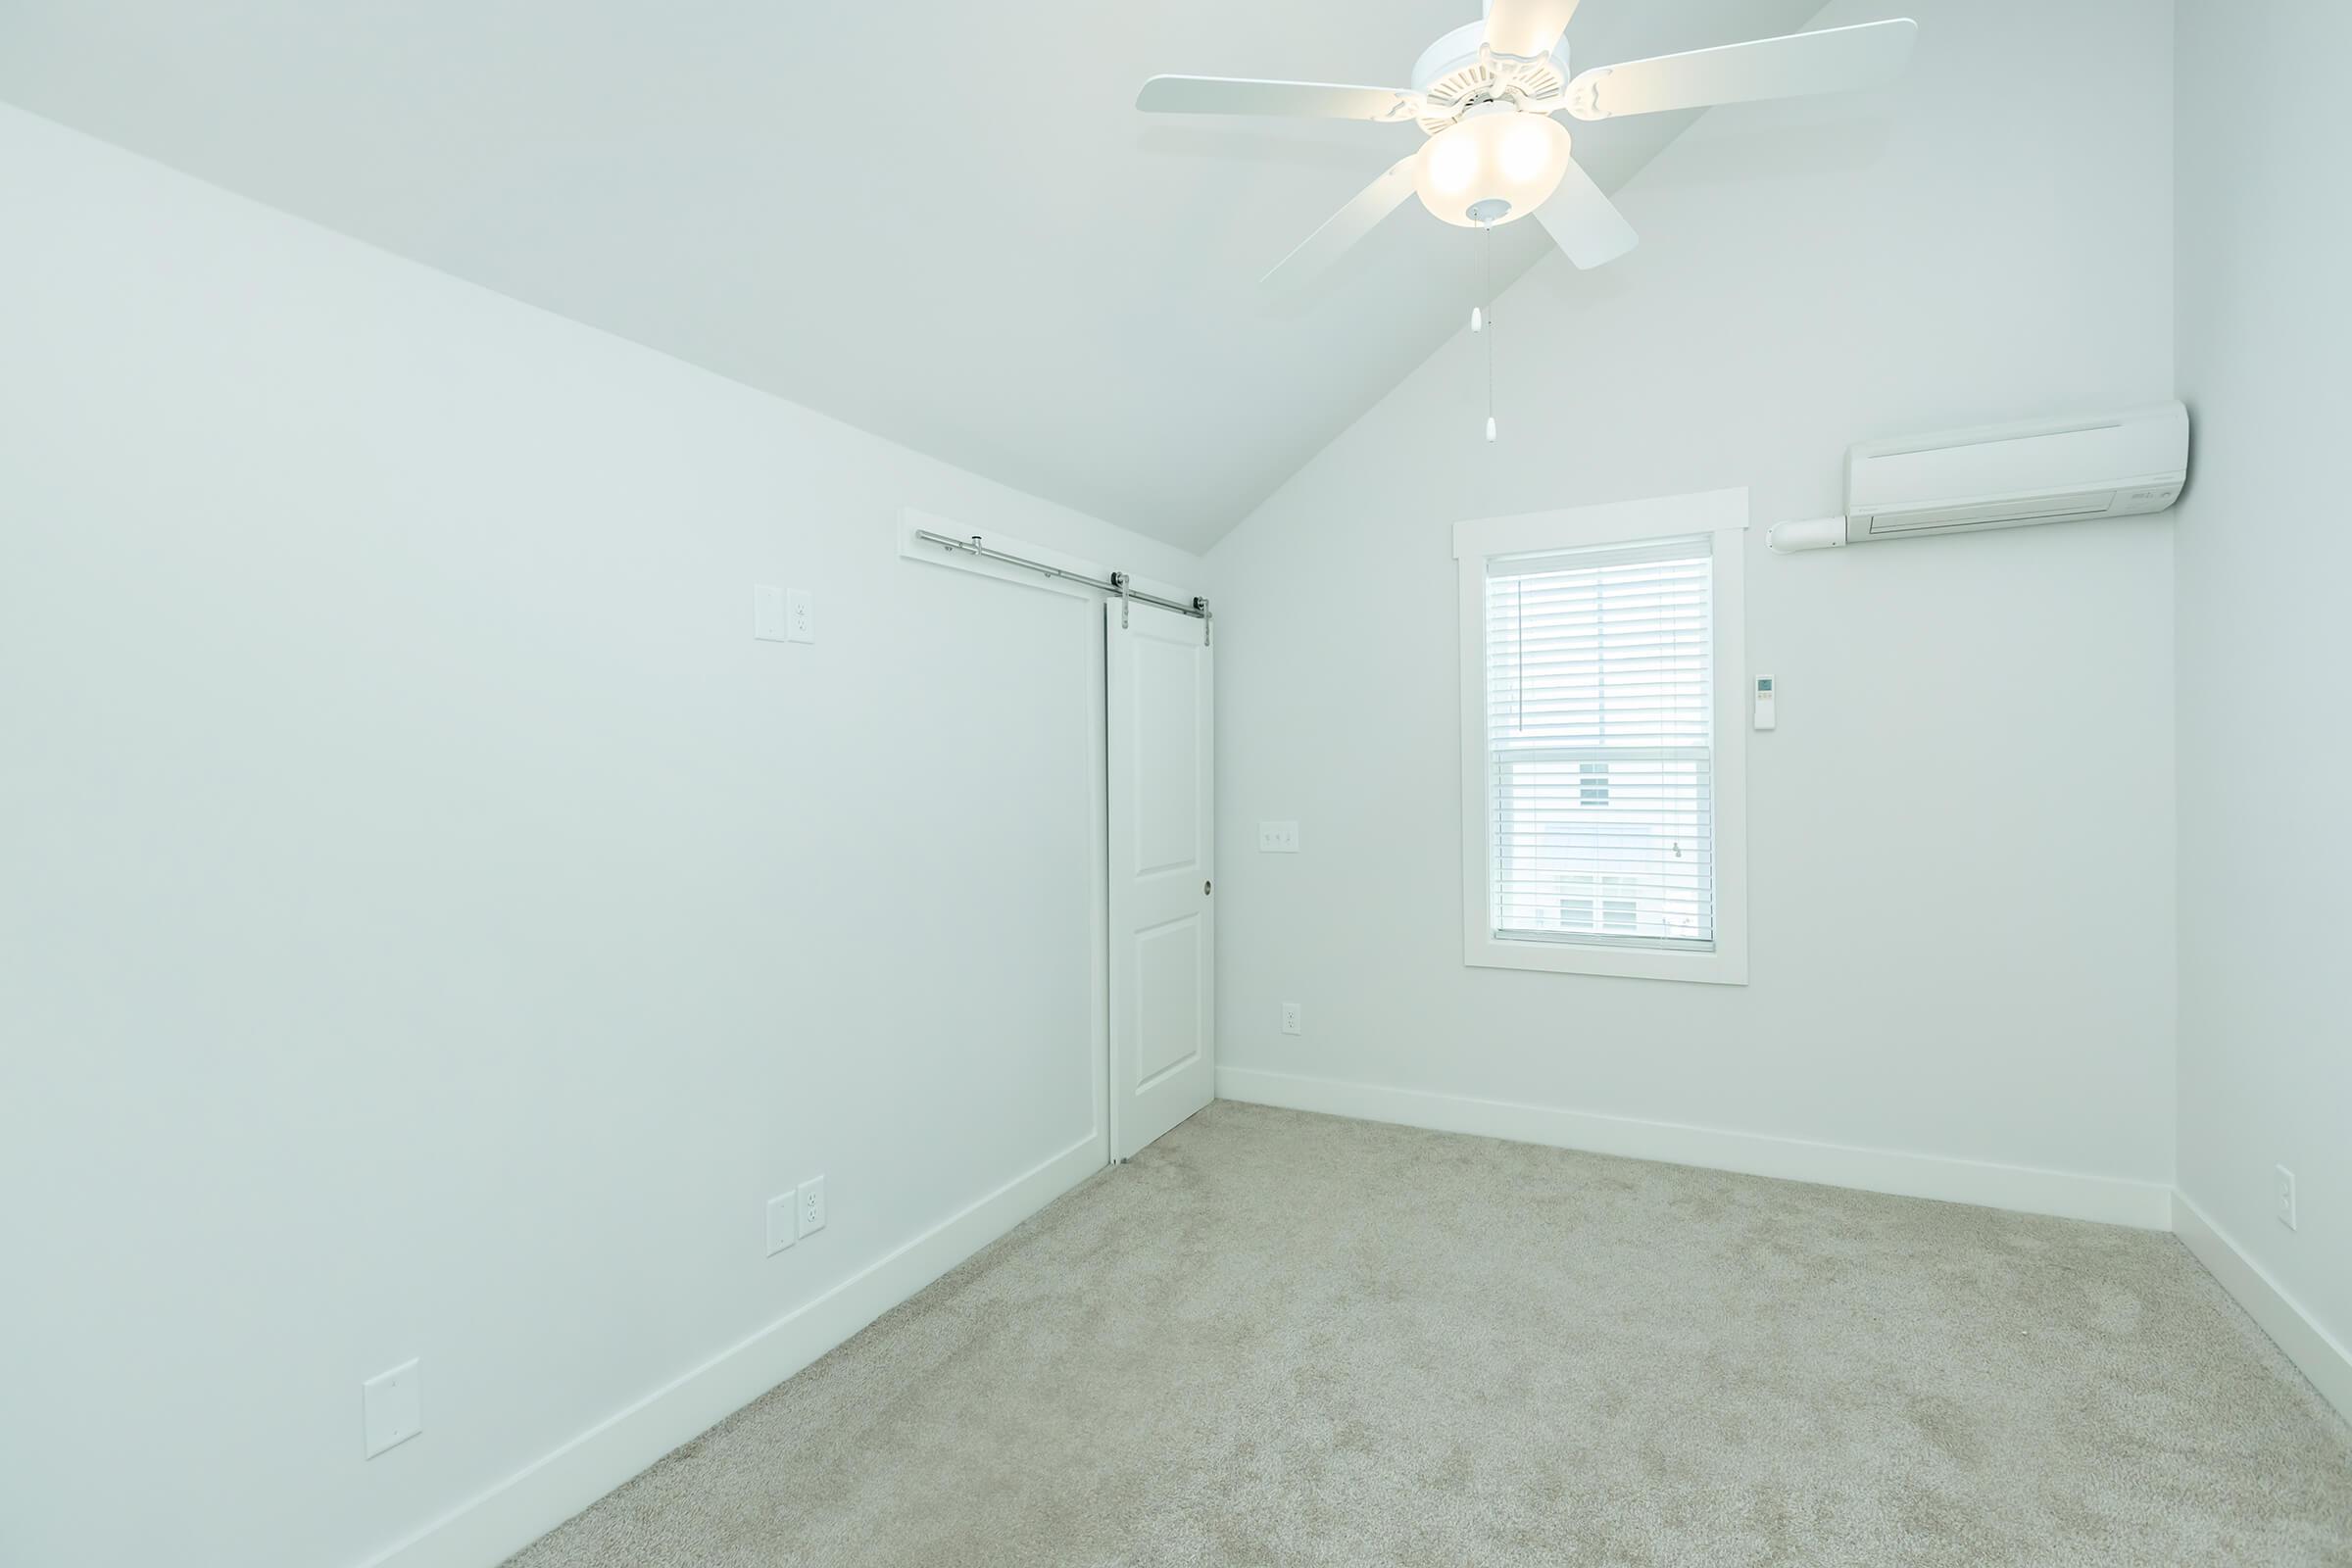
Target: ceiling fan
1485,95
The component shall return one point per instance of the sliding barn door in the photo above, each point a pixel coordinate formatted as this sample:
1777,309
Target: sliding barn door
1162,864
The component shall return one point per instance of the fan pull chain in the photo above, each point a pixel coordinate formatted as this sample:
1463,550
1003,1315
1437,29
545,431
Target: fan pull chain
1488,245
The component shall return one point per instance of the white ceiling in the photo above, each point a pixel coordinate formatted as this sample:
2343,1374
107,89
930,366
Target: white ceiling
946,224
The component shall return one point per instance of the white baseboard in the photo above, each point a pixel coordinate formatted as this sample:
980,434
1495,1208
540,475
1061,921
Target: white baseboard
527,1504
2072,1195
2316,1353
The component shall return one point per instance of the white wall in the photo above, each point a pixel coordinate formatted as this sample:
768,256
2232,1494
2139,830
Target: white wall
2264,556
1961,872
432,926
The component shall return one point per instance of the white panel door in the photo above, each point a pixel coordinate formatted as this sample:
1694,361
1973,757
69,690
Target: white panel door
1162,1068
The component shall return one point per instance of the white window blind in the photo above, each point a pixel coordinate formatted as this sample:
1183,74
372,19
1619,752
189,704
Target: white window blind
1600,745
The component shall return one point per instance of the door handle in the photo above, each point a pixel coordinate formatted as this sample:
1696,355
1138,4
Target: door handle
1204,890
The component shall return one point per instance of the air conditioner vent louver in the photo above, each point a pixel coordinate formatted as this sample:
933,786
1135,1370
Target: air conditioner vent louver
2006,513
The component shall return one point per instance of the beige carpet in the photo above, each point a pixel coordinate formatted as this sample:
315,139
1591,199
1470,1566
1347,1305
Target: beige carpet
1287,1338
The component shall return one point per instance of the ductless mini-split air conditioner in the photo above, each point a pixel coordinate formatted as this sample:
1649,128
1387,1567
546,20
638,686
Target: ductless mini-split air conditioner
2006,476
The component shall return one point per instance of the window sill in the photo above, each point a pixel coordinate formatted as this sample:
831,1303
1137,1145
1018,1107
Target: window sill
1723,966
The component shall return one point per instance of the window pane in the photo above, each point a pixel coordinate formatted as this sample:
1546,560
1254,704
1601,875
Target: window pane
1649,853
1600,729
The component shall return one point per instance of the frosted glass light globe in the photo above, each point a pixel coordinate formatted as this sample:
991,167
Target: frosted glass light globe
1452,163
1494,165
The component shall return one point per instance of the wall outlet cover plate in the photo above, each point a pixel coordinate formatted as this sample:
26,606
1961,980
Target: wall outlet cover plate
391,1409
767,613
812,1205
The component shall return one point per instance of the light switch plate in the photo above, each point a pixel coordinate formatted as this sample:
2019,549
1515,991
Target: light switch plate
783,1221
812,1205
767,613
800,616
391,1409
1278,838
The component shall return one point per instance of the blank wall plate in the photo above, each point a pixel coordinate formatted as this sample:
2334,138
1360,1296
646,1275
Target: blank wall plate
1278,838
812,1205
783,1221
391,1409
767,613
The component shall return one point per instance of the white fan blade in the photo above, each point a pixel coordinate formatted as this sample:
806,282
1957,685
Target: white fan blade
1345,227
1582,220
1527,27
1834,59
1313,100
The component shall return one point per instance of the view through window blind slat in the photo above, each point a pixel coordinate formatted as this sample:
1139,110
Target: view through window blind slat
1600,745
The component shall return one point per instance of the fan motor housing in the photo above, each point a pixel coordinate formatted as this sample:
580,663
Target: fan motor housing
1451,73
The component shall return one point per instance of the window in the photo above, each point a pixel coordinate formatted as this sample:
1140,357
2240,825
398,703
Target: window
1604,737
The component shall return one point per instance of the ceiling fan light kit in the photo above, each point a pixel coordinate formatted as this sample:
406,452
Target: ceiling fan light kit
1485,95
1490,166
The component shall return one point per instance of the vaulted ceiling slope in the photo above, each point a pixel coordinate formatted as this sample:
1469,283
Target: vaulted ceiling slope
946,224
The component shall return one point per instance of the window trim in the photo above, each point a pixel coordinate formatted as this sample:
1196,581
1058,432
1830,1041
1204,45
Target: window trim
1722,515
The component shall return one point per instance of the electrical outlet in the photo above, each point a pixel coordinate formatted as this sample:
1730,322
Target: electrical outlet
783,1222
812,1205
1291,1022
2284,1182
800,619
391,1409
1278,838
